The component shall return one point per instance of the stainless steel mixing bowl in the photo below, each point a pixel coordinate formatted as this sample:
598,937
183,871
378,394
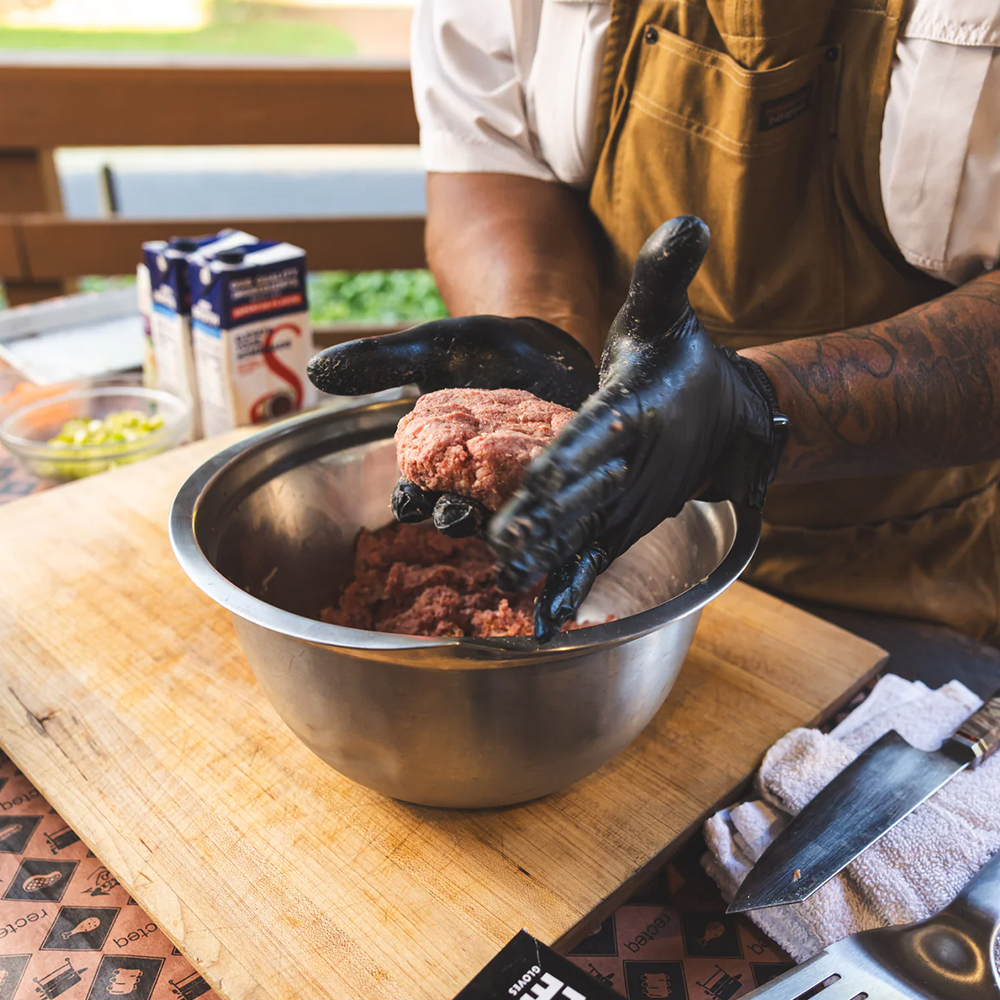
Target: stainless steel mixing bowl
266,529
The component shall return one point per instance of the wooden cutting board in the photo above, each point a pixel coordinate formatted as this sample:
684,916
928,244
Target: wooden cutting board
130,706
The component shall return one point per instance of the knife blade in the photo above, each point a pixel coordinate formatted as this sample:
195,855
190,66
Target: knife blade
881,787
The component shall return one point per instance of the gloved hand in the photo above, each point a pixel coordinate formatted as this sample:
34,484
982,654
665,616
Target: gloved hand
480,352
673,417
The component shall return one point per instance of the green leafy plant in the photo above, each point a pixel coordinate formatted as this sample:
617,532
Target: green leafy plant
374,297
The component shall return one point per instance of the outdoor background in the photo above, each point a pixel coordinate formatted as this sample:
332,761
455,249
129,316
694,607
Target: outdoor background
231,182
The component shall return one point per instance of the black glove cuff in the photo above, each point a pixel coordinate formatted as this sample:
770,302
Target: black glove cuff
769,440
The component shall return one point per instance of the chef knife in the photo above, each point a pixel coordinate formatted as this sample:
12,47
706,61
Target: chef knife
861,804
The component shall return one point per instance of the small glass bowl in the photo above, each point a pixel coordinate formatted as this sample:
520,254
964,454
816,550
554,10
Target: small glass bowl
26,430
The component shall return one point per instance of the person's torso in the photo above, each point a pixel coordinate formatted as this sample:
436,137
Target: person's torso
763,118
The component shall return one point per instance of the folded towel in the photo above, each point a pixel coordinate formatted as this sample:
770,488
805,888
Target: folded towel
914,870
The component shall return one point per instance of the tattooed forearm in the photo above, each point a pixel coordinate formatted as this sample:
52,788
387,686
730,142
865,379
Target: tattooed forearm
920,390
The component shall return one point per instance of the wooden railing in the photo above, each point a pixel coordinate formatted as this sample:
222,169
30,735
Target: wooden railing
45,105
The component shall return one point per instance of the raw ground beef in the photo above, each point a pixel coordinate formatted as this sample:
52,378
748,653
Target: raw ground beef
476,442
411,579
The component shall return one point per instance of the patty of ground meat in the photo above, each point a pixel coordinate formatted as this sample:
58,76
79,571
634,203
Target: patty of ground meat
476,442
412,580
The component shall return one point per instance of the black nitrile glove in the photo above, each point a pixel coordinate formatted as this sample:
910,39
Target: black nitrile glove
468,352
674,417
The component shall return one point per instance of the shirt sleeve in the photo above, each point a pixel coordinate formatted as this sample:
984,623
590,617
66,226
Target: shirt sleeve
940,152
468,92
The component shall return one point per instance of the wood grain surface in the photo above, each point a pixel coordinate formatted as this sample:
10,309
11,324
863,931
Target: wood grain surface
128,703
105,100
49,246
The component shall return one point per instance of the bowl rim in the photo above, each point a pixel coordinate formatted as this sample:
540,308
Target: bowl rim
465,652
96,452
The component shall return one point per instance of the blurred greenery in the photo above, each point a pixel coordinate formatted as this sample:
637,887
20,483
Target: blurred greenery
91,283
373,297
349,297
235,29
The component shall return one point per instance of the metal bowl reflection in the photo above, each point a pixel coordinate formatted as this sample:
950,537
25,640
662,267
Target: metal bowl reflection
266,528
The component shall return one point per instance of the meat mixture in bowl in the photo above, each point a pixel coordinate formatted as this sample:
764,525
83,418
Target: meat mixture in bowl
410,579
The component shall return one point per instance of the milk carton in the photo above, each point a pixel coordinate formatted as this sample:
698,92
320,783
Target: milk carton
251,331
170,292
170,326
144,295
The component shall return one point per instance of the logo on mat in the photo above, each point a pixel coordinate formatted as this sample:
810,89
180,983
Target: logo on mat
61,838
714,935
15,832
57,981
11,969
190,987
782,110
80,928
40,879
125,976
655,980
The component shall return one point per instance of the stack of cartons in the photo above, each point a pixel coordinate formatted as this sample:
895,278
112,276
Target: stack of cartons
229,327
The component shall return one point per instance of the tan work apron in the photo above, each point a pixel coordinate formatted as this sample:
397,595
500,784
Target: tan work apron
764,118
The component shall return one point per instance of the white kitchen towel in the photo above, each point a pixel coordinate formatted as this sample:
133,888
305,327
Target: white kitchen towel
914,870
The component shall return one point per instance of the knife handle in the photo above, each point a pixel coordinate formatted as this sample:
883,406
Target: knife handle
980,733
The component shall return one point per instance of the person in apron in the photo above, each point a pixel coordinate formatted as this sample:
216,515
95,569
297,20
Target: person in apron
769,120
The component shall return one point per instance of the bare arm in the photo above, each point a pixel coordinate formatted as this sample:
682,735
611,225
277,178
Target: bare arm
920,390
514,246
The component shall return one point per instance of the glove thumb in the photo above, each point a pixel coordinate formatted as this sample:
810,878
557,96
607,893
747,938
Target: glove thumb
668,261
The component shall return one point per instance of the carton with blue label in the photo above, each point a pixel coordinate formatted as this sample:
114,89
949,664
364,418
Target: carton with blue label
170,321
251,333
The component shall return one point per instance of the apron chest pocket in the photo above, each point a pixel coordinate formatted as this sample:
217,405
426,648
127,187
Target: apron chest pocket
746,113
748,151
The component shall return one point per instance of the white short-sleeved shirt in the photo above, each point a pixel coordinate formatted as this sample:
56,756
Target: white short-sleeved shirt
509,86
